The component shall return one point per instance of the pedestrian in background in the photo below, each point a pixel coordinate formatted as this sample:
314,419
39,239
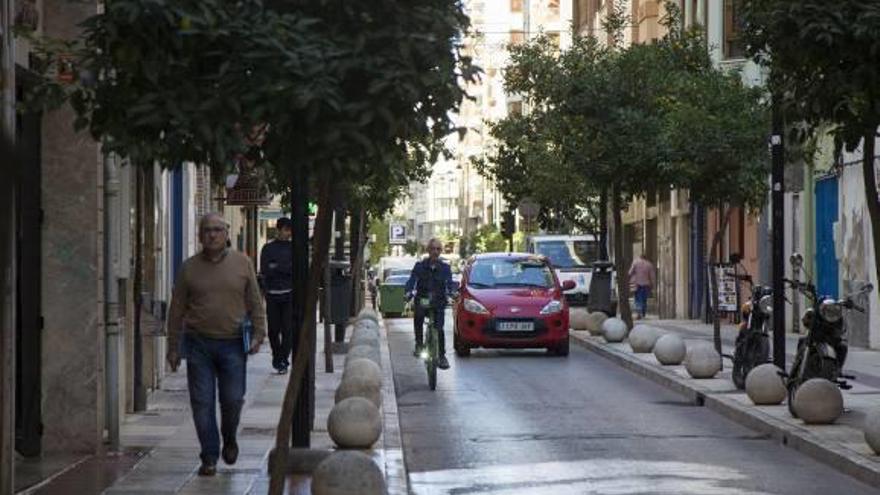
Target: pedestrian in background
276,270
641,275
215,292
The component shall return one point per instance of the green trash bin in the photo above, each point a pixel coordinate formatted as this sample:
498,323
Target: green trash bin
392,297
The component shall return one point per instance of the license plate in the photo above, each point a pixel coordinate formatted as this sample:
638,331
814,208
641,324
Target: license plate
515,326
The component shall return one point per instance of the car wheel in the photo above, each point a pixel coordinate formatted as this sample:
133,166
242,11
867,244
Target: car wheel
561,349
461,349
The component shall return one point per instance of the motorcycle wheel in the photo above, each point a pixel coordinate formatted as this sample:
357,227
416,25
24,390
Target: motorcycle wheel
819,366
792,388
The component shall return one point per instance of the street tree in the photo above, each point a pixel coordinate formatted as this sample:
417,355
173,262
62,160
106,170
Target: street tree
822,58
318,92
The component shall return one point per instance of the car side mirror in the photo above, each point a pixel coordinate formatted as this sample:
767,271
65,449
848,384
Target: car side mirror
568,285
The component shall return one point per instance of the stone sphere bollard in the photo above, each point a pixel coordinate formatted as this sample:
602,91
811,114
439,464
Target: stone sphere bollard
595,321
702,361
365,325
364,351
670,349
363,369
765,386
365,336
368,314
643,337
872,430
578,318
614,330
818,401
360,385
354,423
348,472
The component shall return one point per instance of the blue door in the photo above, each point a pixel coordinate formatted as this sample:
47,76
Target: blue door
826,215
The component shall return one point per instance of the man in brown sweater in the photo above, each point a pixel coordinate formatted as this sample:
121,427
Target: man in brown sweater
215,292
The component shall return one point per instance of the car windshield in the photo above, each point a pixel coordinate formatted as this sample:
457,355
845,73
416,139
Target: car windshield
569,253
501,272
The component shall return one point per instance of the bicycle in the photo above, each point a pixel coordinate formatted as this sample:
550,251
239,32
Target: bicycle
430,351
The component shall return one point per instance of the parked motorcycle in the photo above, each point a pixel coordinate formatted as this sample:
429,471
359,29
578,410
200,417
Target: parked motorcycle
752,347
821,353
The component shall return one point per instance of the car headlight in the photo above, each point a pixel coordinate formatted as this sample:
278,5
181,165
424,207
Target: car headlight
765,304
472,306
552,307
831,310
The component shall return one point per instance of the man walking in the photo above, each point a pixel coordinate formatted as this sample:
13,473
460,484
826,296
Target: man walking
431,278
214,293
276,270
641,275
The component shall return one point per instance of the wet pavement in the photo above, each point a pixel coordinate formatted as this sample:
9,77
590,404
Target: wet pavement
524,422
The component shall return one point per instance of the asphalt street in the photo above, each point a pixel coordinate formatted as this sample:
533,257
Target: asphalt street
517,422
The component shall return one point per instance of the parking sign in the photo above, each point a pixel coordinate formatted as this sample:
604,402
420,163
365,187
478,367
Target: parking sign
397,234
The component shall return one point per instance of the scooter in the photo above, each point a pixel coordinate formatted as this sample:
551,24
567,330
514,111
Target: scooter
752,347
821,353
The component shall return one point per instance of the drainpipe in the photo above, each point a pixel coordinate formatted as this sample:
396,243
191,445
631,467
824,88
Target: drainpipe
111,297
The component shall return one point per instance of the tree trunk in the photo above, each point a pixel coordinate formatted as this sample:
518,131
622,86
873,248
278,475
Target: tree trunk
619,263
356,253
140,393
870,179
713,276
305,345
603,225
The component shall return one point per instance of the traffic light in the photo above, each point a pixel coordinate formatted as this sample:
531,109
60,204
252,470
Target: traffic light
508,224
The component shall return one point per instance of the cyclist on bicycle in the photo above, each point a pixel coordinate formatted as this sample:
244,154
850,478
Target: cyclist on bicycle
431,278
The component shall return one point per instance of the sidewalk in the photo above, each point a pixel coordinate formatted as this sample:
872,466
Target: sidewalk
160,450
840,445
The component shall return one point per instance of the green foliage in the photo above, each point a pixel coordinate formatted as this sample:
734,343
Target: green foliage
378,230
412,247
823,61
633,119
486,239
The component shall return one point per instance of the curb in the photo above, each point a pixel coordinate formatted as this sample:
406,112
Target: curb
799,439
396,475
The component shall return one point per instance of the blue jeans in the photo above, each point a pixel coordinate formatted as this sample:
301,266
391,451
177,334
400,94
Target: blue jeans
211,365
641,299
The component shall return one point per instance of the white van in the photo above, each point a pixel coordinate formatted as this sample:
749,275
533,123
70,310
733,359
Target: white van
572,257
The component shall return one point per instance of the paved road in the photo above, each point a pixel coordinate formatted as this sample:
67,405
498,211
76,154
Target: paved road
517,422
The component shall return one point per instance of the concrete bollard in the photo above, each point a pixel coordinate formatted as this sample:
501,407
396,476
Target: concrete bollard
872,430
368,314
670,350
642,338
354,423
364,370
348,472
818,402
614,330
765,386
359,386
595,321
364,351
365,337
702,361
577,318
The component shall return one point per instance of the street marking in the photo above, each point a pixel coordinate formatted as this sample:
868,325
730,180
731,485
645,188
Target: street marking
601,476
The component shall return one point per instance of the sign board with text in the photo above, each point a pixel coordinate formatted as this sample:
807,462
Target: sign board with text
397,234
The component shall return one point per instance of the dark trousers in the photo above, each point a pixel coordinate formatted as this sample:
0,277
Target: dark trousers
215,365
419,326
279,317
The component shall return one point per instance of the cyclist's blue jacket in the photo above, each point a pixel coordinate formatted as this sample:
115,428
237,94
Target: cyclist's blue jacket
432,279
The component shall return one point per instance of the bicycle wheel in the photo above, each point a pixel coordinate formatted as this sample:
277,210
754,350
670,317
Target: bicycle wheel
431,362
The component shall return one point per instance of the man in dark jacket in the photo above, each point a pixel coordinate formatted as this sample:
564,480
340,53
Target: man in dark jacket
275,270
431,278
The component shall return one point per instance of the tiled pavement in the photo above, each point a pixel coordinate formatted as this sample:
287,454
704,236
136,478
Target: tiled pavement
160,448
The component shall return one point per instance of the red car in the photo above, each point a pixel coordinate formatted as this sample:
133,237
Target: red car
511,300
